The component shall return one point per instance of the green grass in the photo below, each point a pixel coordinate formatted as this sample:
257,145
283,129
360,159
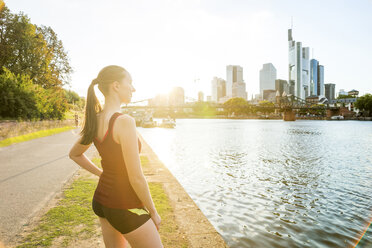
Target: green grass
169,231
30,136
74,219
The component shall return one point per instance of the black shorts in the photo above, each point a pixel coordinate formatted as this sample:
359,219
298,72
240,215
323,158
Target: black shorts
123,220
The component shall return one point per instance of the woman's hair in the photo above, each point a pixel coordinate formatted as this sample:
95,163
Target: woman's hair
105,77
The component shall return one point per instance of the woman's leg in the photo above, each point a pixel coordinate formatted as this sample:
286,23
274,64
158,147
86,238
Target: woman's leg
145,236
112,237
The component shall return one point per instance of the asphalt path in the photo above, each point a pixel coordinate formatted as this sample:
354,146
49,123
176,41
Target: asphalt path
31,174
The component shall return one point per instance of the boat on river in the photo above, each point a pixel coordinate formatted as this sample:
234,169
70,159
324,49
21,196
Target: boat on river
168,123
337,117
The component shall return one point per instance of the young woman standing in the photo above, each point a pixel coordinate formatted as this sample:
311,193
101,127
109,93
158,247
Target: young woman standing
122,200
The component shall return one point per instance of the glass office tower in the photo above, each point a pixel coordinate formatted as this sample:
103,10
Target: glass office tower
314,77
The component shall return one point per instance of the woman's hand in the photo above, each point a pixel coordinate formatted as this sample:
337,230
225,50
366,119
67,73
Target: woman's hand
156,219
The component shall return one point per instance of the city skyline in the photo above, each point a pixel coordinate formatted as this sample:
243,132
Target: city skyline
203,37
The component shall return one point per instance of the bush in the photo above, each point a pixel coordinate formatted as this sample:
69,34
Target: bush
364,103
21,99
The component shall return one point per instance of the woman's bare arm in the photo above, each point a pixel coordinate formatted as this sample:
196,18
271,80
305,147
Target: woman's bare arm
125,127
77,154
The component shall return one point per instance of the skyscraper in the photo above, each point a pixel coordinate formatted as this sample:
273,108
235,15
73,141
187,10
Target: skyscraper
330,91
234,73
177,96
281,86
314,77
320,80
218,88
267,77
298,67
200,96
238,90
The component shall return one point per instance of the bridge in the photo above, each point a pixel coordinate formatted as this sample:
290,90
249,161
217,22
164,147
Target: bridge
288,105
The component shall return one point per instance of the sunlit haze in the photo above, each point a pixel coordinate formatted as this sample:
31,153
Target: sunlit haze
168,43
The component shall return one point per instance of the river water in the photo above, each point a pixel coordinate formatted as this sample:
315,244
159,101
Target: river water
270,183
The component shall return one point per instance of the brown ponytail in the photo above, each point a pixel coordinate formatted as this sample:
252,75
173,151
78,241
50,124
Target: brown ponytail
106,76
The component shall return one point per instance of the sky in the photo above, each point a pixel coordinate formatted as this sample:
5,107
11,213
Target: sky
185,43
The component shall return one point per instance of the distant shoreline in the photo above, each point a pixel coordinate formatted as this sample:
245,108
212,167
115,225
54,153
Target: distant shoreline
273,118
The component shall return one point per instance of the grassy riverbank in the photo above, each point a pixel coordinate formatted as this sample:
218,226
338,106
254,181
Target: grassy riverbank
72,222
34,135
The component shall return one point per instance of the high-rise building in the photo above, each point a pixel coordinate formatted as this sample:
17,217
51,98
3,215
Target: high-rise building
298,67
267,77
234,73
238,90
269,95
177,96
200,96
330,91
281,86
218,89
314,77
320,84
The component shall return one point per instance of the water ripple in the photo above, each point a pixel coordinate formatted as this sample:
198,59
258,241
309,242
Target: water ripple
274,183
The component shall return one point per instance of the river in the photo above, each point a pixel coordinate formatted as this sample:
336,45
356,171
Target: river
270,183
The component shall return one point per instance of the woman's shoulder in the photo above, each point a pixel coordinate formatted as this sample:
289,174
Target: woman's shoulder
124,125
125,118
125,121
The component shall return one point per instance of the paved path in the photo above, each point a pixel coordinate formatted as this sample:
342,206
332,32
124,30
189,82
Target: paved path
31,173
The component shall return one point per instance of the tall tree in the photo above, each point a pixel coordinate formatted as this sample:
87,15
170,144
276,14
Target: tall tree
32,50
237,105
364,103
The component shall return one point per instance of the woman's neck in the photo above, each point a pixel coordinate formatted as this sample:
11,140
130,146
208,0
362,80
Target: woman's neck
112,105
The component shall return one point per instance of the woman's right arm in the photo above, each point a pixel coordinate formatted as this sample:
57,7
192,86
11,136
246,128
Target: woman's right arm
125,129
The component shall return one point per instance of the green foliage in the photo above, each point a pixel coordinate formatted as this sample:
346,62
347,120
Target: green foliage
237,105
364,103
74,100
204,109
345,96
33,69
36,51
317,109
266,106
20,98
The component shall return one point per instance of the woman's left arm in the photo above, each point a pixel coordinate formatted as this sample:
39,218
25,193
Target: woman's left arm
77,154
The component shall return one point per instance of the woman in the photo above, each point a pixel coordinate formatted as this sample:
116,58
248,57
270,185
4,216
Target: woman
122,200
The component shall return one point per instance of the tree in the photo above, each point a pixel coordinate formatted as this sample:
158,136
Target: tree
74,100
59,69
237,105
20,98
317,109
33,69
36,51
17,96
345,96
204,109
266,106
364,103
